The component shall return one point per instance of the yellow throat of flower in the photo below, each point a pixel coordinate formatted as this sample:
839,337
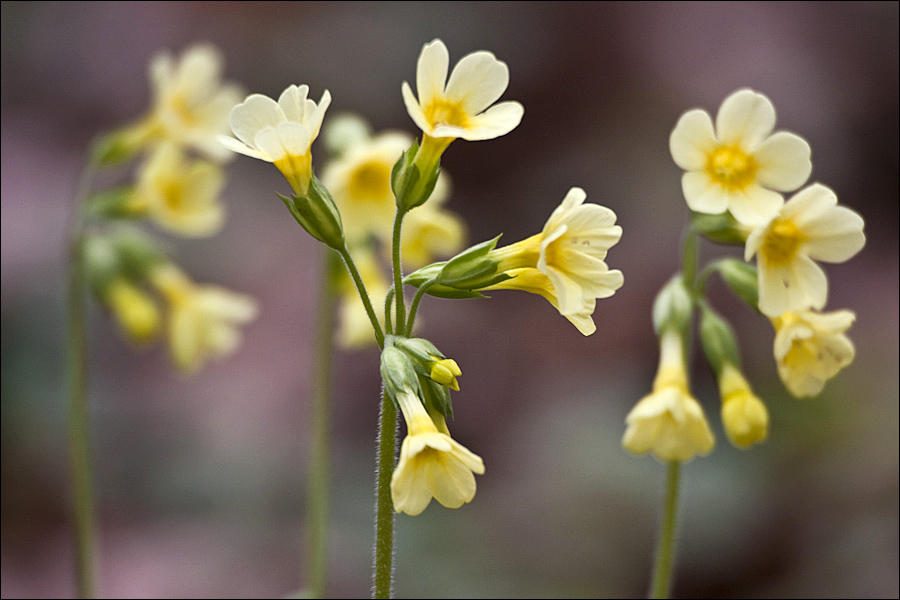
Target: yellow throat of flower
370,181
781,243
297,170
444,112
731,167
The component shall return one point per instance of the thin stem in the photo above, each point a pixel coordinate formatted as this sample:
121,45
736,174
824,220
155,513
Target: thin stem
689,257
361,288
388,303
320,465
665,550
398,273
415,306
79,410
383,569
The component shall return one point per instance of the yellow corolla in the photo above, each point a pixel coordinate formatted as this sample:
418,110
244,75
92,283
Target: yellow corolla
744,415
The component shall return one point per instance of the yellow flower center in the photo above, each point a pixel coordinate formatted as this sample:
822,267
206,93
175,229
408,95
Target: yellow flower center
173,196
781,243
442,112
731,167
186,113
370,181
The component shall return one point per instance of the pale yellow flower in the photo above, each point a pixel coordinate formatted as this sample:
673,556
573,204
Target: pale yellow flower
136,312
279,132
179,194
203,319
565,262
432,464
810,226
810,348
744,415
429,231
669,422
740,166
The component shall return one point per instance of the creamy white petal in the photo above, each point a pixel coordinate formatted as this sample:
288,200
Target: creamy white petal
293,101
702,194
431,71
414,110
836,237
496,121
692,140
253,114
746,118
241,148
783,161
269,143
477,81
314,121
295,138
754,204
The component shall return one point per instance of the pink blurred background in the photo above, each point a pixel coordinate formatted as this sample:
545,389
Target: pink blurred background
200,482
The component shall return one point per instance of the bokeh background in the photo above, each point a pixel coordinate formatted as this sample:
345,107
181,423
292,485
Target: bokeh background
200,481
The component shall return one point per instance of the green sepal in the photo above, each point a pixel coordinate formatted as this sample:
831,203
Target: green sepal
718,340
127,254
411,187
113,204
436,396
742,279
114,148
673,307
721,229
397,372
317,214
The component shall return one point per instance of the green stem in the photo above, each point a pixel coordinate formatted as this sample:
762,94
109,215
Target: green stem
398,273
665,550
689,258
388,302
320,466
364,296
383,569
79,410
415,306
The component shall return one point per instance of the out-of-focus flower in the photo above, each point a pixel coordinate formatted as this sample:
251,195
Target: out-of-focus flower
180,195
203,319
279,132
565,262
811,348
432,464
429,231
136,312
810,226
744,415
669,422
741,165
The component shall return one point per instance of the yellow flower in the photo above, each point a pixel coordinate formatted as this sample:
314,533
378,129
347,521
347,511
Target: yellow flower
180,195
741,165
744,415
429,231
669,422
203,319
135,310
811,348
432,464
279,132
810,226
565,262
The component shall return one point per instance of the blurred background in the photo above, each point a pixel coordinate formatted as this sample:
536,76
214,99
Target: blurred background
200,481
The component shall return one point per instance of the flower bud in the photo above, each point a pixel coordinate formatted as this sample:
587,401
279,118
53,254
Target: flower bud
413,178
672,307
718,341
744,415
742,279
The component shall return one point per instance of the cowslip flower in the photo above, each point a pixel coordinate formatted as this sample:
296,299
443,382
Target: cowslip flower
740,166
460,107
669,422
565,262
203,319
432,464
180,195
136,312
430,231
810,348
809,227
279,132
744,415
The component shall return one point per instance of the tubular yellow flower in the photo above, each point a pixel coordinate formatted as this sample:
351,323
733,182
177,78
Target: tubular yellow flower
565,262
279,132
203,320
669,422
810,226
737,166
180,195
432,464
810,348
744,415
136,312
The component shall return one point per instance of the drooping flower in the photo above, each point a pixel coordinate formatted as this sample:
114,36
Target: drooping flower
669,422
810,348
740,166
432,464
744,415
180,195
203,319
279,132
565,262
810,226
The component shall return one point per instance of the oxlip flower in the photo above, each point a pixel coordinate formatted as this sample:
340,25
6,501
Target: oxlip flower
744,415
669,422
740,165
279,132
809,227
810,348
565,263
203,319
432,464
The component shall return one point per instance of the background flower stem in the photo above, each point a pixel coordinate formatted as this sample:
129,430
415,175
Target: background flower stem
665,550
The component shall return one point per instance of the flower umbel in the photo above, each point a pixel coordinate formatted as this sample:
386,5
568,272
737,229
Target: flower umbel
565,262
432,464
279,132
810,226
744,415
739,166
811,348
669,422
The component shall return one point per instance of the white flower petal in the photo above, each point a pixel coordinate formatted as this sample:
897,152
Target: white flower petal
295,138
477,81
414,110
783,161
496,121
431,71
293,102
746,118
692,140
242,148
269,143
754,204
702,194
253,114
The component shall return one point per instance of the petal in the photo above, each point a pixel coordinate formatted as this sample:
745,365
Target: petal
692,140
314,122
496,121
569,294
293,102
431,71
574,198
295,138
242,148
477,81
451,482
702,194
198,73
783,162
269,143
583,322
414,109
754,204
255,113
835,237
745,119
809,203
